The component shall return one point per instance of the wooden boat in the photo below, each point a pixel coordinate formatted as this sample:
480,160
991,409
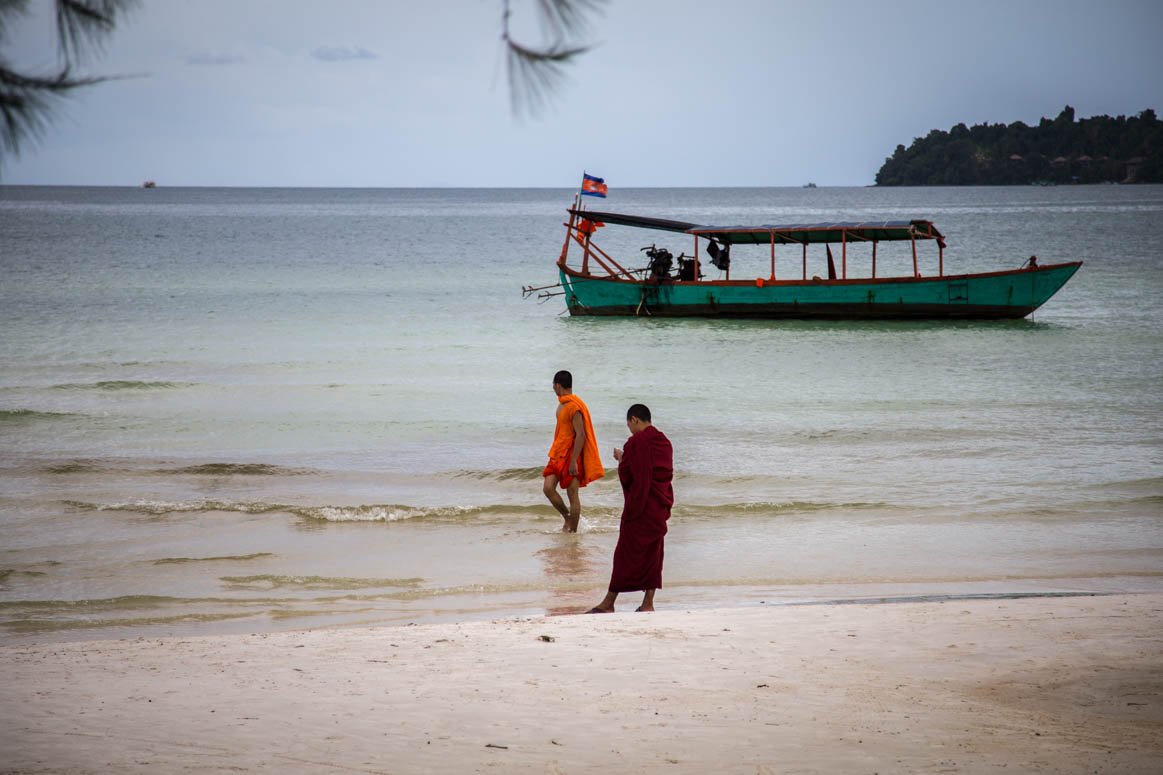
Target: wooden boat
597,284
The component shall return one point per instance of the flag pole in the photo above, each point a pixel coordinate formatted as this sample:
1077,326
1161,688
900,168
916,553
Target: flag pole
586,244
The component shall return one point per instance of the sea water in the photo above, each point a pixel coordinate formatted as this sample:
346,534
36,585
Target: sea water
249,409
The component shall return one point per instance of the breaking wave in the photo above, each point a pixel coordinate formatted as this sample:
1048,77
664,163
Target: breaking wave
269,581
770,507
29,416
396,512
505,474
390,512
203,469
224,558
159,508
230,469
75,467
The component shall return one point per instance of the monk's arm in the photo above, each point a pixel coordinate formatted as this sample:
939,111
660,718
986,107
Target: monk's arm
579,441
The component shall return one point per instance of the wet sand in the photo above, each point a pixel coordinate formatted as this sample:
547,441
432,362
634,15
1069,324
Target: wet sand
1068,684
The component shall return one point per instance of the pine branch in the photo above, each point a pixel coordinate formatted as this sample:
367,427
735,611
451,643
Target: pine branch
27,102
84,24
536,74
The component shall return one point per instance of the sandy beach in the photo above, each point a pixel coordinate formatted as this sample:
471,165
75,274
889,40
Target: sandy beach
1049,684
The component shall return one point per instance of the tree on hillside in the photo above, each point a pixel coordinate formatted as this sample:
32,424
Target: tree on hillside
1059,150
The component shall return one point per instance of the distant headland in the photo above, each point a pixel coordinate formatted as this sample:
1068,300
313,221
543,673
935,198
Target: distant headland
1099,149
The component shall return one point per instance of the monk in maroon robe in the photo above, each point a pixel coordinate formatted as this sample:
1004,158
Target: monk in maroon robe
645,470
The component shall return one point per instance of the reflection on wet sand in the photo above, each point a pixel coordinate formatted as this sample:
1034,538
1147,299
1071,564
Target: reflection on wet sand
573,569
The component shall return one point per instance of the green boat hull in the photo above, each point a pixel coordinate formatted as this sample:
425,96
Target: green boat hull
994,295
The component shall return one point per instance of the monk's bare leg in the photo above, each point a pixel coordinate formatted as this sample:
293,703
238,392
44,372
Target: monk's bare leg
607,604
574,517
647,600
549,487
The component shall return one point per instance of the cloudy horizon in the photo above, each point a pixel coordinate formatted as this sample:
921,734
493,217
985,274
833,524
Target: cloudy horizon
392,94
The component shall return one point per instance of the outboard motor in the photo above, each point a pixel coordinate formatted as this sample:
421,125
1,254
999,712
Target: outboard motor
660,262
686,269
720,255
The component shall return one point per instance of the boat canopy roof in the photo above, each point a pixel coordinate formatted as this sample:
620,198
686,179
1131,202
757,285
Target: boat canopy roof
797,233
642,222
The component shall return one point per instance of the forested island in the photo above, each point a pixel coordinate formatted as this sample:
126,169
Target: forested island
1099,149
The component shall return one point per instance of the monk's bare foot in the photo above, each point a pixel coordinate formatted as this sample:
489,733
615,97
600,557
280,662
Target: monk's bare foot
599,610
566,528
645,608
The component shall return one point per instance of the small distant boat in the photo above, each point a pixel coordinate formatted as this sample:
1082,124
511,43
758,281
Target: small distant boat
809,185
597,284
149,184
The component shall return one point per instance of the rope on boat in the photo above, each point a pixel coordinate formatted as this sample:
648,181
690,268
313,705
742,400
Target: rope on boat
642,304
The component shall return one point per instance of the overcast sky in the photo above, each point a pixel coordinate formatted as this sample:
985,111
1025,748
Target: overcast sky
676,93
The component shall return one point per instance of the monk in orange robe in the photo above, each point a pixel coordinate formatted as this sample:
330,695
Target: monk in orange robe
573,457
645,470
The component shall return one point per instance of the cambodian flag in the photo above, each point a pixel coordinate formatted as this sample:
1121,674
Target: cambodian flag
592,186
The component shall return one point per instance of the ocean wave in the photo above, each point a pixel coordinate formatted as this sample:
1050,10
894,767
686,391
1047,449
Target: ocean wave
230,469
202,469
1154,482
388,512
73,467
119,384
29,416
7,573
1074,510
224,558
120,603
528,474
269,581
396,512
504,474
159,508
35,626
770,507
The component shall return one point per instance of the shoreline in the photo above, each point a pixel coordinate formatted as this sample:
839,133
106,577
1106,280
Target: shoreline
1049,683
87,622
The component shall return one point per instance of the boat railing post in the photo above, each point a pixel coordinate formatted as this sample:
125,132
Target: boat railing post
913,238
696,277
586,256
874,259
843,254
940,260
805,258
773,255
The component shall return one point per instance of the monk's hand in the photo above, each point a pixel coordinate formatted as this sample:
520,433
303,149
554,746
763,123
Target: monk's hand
573,468
618,454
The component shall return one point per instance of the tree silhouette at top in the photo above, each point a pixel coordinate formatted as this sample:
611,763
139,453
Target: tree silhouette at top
27,100
536,73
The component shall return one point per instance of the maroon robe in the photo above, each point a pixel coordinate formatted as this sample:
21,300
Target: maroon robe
645,471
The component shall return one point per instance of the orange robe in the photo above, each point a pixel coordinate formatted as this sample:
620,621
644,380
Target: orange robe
589,465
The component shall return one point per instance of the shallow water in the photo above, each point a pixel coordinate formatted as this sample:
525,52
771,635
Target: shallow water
232,409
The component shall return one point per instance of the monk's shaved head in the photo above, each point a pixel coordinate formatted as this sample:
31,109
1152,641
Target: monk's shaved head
563,378
641,411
